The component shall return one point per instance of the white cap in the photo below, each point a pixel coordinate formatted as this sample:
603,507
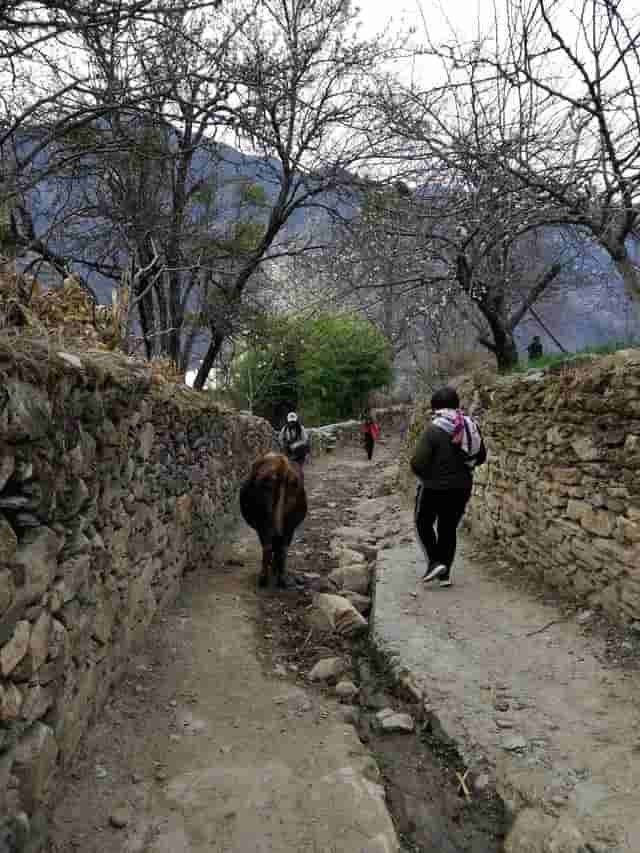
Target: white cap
292,417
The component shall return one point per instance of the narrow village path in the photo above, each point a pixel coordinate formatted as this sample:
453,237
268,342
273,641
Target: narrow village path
218,742
541,697
206,749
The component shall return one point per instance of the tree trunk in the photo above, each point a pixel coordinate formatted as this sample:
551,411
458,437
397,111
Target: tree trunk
162,346
145,314
506,351
211,354
630,274
175,317
491,305
503,345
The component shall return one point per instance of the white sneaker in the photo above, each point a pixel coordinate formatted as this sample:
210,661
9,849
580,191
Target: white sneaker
436,572
446,582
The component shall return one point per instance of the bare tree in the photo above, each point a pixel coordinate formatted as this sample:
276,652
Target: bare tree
498,264
144,105
475,221
364,263
304,82
468,242
46,79
574,69
136,189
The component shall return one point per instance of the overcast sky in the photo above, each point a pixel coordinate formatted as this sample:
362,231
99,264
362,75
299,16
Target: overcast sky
447,21
438,16
440,19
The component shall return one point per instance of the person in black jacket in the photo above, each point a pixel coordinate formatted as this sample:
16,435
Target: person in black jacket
446,454
534,350
294,439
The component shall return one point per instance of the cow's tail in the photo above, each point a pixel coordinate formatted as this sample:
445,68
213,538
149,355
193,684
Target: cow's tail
278,542
278,510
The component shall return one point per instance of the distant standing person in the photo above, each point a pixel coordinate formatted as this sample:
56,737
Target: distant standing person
371,432
446,454
535,348
294,439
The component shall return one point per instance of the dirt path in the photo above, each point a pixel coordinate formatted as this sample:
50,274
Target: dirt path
204,750
216,741
420,769
541,696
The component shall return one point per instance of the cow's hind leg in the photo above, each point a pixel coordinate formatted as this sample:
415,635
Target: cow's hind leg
267,557
280,561
267,560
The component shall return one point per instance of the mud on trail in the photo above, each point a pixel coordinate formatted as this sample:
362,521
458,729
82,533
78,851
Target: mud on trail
420,770
217,714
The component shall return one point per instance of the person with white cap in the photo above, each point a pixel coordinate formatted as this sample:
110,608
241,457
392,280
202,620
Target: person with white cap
294,439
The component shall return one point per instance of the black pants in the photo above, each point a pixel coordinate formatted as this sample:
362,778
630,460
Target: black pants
445,508
368,443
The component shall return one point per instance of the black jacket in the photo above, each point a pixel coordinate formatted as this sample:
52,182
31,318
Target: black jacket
440,464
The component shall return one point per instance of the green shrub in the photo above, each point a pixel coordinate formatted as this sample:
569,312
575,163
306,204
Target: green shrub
325,367
343,359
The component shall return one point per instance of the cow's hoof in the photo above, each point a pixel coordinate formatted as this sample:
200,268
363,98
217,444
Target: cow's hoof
263,580
285,582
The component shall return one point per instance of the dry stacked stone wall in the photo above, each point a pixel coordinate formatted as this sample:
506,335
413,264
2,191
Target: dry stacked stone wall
111,486
560,495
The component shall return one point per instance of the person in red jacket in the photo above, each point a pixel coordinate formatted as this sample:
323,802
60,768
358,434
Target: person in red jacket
371,432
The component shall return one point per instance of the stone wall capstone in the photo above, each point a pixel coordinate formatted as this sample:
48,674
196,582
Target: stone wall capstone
111,487
560,494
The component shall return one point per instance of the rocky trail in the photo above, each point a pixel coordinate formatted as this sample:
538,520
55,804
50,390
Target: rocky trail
539,695
212,745
219,741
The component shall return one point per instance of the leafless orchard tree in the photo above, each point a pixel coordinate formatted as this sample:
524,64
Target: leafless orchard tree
143,93
304,82
574,69
46,86
68,71
462,237
511,167
369,264
149,183
500,263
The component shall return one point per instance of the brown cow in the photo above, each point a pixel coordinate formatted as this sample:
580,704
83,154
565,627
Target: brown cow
273,501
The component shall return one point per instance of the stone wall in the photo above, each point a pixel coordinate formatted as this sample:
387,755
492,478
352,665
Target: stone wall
561,491
111,486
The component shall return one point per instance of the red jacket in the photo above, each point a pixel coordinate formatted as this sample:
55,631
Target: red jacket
373,429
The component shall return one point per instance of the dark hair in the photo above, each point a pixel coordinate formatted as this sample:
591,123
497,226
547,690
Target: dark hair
445,398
